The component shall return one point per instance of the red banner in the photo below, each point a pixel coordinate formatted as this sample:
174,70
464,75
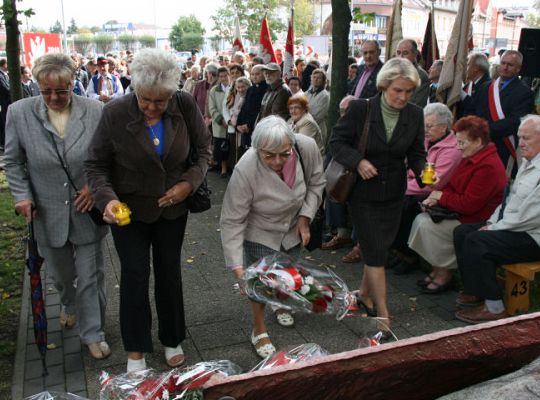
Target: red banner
37,44
266,50
288,64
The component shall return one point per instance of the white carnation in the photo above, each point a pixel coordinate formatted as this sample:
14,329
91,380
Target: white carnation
304,290
309,280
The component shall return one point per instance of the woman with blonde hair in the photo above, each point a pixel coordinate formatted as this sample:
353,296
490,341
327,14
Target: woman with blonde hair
232,104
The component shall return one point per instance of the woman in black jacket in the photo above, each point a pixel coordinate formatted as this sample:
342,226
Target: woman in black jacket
395,143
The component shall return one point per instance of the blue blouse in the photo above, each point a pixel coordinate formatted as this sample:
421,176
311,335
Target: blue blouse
157,131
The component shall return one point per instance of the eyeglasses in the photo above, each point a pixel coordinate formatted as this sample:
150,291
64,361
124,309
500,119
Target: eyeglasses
462,143
58,92
296,107
267,155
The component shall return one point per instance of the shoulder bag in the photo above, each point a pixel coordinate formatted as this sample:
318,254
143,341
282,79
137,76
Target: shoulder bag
340,180
316,225
200,200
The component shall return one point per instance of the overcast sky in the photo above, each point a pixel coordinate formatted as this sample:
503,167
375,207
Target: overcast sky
91,13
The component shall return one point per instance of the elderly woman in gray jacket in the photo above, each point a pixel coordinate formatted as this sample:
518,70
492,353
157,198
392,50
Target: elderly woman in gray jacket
43,134
269,204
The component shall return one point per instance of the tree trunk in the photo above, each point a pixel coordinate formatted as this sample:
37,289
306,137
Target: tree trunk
341,21
13,49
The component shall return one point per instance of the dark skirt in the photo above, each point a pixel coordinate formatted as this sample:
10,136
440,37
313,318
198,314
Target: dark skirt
376,225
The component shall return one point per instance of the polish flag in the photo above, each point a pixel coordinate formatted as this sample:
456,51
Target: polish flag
237,41
288,64
266,50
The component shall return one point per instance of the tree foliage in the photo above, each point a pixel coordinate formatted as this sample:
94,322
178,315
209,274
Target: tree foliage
187,34
72,28
304,19
250,13
56,28
147,40
83,42
127,41
103,43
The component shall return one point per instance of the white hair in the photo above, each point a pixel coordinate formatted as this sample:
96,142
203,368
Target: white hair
271,133
534,118
441,112
155,70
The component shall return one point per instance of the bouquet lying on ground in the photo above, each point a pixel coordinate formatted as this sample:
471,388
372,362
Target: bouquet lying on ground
181,383
297,285
304,352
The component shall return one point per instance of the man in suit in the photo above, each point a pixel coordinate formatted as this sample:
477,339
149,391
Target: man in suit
275,99
29,87
503,103
434,75
364,86
252,105
408,49
477,75
5,100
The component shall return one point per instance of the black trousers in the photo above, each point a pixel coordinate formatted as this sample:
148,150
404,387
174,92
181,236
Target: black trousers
133,243
479,253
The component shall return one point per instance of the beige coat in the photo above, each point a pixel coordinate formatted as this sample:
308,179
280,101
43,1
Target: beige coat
259,207
216,95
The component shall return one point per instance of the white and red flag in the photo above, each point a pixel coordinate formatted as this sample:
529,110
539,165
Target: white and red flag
288,62
237,41
266,49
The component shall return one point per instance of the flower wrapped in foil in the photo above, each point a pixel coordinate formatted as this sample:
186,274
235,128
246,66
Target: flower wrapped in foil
297,285
304,352
182,383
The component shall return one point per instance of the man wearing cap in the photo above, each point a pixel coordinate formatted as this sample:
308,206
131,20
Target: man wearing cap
104,86
275,99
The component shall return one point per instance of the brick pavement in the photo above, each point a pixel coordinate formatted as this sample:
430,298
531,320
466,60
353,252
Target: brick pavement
218,320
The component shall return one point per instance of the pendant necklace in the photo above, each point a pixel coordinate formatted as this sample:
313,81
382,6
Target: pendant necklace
155,140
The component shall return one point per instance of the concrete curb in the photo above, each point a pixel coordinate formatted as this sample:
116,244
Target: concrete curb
20,356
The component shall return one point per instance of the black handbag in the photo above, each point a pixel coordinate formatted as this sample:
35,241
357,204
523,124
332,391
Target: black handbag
200,200
438,213
340,180
316,225
94,213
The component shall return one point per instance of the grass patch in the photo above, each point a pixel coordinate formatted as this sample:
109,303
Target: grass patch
12,268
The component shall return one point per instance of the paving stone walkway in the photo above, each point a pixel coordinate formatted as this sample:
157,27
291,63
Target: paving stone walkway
218,319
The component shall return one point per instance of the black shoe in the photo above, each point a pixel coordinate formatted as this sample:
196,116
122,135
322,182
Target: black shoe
403,268
224,175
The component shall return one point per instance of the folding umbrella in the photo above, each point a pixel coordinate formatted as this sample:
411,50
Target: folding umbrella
34,262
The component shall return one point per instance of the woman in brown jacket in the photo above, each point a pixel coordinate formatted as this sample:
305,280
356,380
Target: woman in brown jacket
139,156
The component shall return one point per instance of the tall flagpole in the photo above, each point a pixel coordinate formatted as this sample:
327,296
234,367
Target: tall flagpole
433,36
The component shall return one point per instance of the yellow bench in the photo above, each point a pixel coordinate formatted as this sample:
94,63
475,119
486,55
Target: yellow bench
517,286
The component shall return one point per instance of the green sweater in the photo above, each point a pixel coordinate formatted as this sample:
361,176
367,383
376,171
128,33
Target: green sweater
390,118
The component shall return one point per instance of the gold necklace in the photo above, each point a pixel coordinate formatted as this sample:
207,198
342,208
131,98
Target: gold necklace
155,140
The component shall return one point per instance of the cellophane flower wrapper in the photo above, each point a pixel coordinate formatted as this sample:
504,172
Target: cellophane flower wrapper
304,352
55,396
297,285
181,383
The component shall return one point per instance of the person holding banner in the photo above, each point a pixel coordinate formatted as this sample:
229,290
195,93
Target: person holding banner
503,102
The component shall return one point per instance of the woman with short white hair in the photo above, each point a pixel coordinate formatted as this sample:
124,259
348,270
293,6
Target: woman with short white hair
274,193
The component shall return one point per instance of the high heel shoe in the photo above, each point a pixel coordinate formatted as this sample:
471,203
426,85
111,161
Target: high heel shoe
370,311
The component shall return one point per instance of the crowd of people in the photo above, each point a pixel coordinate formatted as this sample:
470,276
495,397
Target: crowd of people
92,135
